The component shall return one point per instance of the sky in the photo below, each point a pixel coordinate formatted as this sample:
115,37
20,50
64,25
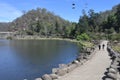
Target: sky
11,9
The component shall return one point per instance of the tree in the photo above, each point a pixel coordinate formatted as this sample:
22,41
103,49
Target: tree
83,36
83,26
117,14
93,22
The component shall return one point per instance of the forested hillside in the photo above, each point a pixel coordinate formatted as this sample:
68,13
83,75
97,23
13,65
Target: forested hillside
4,26
103,25
43,23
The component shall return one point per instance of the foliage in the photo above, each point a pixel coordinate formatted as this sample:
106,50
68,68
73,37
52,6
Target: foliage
114,37
87,44
83,45
82,37
29,32
116,48
43,23
117,14
9,38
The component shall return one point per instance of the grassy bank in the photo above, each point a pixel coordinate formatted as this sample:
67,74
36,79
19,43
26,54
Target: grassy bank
81,44
116,48
84,43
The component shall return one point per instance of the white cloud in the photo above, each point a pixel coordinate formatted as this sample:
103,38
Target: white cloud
8,12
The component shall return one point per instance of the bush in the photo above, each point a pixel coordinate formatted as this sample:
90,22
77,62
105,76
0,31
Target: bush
29,32
82,37
9,38
114,37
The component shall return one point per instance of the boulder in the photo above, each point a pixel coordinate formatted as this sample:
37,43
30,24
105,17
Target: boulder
46,77
75,61
54,70
71,67
112,75
112,70
63,65
38,79
108,79
62,71
69,64
114,67
78,59
118,59
54,76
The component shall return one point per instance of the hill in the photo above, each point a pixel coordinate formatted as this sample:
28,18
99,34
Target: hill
41,22
4,26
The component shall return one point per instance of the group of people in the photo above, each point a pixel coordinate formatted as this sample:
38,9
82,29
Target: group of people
101,46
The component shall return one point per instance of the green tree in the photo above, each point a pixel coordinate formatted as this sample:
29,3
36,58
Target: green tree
83,36
82,26
117,14
93,22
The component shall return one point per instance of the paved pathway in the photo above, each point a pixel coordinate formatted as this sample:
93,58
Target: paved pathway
93,69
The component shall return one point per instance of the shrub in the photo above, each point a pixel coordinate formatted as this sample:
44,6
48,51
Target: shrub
9,37
82,37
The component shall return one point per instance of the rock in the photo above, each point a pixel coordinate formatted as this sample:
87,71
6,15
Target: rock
75,61
71,67
114,67
85,57
118,59
46,77
112,70
118,76
78,59
54,70
54,76
108,79
62,71
63,65
112,75
38,79
69,64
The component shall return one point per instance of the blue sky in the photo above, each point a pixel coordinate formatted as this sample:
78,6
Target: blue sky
11,9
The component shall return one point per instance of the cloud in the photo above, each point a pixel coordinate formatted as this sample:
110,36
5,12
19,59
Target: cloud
8,12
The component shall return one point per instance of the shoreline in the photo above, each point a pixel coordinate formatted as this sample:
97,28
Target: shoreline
40,38
64,69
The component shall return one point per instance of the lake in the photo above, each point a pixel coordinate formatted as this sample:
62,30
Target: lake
29,59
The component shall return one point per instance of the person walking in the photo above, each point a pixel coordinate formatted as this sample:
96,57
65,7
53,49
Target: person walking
103,46
99,46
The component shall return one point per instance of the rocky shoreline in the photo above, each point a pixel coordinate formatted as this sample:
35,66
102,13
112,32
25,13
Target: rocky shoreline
64,68
42,38
113,72
67,68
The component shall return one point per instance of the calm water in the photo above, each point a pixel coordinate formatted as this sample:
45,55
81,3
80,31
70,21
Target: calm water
29,59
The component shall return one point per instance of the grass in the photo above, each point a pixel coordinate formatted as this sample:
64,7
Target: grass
86,44
116,48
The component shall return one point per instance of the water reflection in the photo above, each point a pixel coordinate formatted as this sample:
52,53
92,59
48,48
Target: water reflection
32,58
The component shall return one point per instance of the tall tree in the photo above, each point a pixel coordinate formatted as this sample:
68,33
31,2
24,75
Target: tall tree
93,20
118,18
83,25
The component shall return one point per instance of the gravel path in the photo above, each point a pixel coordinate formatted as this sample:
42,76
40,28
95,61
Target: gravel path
93,69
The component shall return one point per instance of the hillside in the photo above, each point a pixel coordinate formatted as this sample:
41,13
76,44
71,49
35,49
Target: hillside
4,26
41,22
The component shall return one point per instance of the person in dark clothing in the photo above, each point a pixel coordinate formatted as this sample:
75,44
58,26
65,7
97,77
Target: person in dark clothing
103,46
99,46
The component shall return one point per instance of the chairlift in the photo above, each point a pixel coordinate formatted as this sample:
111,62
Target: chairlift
73,5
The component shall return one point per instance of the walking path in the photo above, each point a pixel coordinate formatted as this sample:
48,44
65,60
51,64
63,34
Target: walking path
93,69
